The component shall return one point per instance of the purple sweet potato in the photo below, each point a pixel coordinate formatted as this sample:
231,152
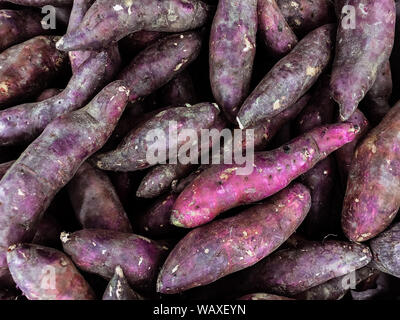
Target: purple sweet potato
48,232
290,78
373,188
48,93
220,187
344,155
101,251
226,246
277,35
51,161
306,15
4,168
155,222
361,51
385,250
263,296
46,274
108,21
179,91
138,41
119,289
17,26
232,51
376,103
292,271
41,3
161,62
95,202
26,68
132,153
25,122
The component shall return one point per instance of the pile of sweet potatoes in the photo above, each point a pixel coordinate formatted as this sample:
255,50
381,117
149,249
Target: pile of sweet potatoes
186,149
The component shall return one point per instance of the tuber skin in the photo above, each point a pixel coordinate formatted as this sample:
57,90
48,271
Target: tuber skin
373,188
290,78
48,93
51,161
360,51
226,246
219,188
43,273
108,21
95,201
119,289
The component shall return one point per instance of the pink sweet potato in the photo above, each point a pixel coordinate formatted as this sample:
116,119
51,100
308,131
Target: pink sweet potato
46,274
277,35
108,21
263,296
119,289
51,161
48,93
101,251
95,202
373,188
132,153
17,26
306,15
232,51
361,51
290,78
161,62
26,68
292,271
220,188
23,123
229,245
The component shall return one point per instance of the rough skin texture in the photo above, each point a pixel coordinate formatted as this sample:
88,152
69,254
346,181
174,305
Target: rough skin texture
263,296
131,154
232,51
46,274
95,202
306,15
119,289
373,188
361,51
385,249
292,271
108,21
161,62
226,246
290,78
101,251
17,26
220,188
51,161
277,35
26,68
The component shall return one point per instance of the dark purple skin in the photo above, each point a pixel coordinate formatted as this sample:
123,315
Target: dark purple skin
161,62
17,26
290,78
155,222
277,35
26,68
95,201
138,41
179,91
304,16
48,93
292,271
223,247
108,21
101,251
131,155
48,232
385,250
23,123
232,51
336,288
43,273
372,197
344,156
4,168
118,288
262,296
376,102
41,3
361,51
48,164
